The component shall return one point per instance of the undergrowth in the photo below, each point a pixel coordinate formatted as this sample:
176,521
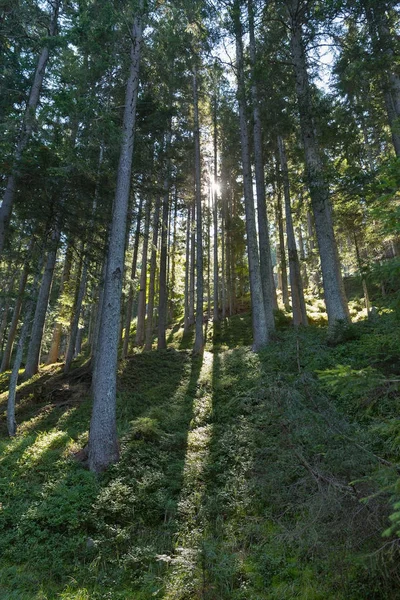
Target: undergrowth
242,476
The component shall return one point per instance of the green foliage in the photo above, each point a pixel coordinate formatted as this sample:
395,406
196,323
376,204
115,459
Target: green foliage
241,476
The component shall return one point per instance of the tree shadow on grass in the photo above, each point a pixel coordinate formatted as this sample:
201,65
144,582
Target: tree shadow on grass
52,506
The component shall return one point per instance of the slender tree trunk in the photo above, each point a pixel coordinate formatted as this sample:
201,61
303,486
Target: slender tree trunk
224,281
5,363
199,338
335,297
103,443
163,295
281,252
12,388
76,315
215,214
192,265
173,256
209,253
129,304
141,313
267,277
57,331
260,329
153,264
35,343
296,284
27,127
363,279
186,322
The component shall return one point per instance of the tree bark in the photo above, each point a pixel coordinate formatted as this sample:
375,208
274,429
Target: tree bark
199,337
335,297
27,128
267,277
296,284
260,329
163,294
57,331
215,215
141,313
103,443
129,304
76,315
35,343
153,265
186,322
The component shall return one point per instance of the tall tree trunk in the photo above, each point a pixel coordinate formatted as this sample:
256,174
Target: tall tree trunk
153,265
280,251
215,213
173,255
163,295
186,322
103,443
296,284
57,331
129,304
192,265
35,343
260,329
141,313
199,338
267,277
27,127
335,297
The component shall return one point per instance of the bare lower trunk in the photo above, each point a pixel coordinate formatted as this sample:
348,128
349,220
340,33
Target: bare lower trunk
129,304
335,297
76,315
267,277
215,215
163,295
57,332
187,271
35,343
281,252
192,264
27,127
199,339
141,313
260,329
296,284
103,443
153,264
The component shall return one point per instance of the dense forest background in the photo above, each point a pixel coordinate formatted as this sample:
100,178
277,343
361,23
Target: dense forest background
199,299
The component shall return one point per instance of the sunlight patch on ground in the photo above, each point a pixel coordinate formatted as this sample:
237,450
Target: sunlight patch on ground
184,564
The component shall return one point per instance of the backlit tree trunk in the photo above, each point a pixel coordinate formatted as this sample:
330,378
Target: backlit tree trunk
103,443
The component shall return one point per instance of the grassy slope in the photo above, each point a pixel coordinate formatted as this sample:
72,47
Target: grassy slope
242,476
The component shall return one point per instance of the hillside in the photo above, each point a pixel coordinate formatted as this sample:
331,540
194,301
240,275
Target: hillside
242,476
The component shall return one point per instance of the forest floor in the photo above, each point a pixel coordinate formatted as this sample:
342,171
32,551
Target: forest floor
242,476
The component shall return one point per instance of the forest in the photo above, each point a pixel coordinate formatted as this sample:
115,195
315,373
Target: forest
199,299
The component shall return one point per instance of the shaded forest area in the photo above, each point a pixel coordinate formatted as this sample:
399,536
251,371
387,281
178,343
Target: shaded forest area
199,299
